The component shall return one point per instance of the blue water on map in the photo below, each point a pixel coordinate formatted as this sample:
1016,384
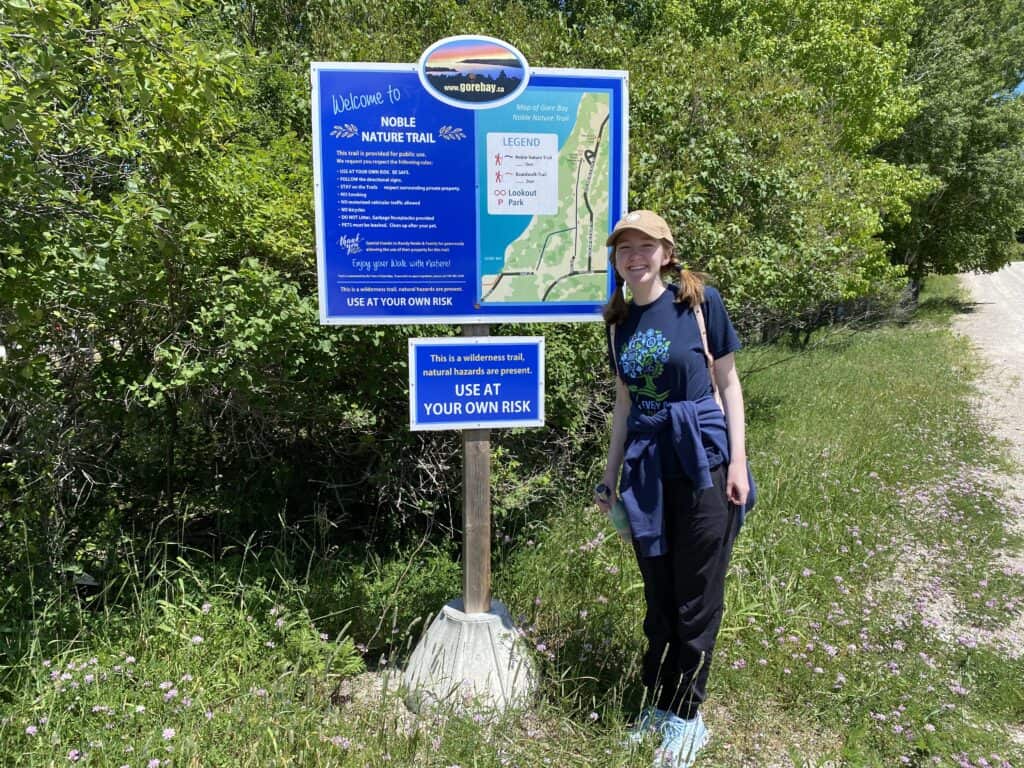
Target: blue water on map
496,232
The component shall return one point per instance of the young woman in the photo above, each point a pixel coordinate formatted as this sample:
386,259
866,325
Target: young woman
678,466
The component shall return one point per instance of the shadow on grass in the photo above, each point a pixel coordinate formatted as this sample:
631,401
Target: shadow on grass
761,411
609,680
943,307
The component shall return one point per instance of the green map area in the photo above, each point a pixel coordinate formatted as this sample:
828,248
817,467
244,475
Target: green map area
563,257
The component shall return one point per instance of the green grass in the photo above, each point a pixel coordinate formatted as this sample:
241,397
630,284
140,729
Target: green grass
865,624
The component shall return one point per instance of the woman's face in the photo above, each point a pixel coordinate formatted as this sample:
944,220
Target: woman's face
639,259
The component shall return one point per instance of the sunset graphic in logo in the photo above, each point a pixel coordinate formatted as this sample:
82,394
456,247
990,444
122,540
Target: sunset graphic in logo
473,72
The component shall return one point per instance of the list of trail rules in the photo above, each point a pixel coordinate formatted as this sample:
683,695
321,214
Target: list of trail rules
476,383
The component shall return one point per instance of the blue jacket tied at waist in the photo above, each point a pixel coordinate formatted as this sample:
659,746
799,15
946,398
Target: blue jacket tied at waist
640,487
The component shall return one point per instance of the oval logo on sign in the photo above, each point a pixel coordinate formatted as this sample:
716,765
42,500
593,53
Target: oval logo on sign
473,72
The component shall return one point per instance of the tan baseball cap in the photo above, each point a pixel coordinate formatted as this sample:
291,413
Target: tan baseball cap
647,222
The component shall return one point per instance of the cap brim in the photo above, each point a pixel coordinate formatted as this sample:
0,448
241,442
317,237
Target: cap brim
618,232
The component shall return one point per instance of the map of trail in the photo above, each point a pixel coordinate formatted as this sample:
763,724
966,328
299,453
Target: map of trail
562,257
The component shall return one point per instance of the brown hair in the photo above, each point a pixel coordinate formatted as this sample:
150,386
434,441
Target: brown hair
691,287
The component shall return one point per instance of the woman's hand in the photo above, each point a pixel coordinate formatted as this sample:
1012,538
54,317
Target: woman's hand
737,486
604,502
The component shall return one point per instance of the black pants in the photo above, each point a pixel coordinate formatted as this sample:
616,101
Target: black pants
685,593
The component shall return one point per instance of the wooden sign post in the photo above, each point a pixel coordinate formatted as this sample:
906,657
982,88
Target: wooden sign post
471,653
476,510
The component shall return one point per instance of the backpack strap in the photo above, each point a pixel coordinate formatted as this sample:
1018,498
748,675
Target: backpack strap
699,314
615,352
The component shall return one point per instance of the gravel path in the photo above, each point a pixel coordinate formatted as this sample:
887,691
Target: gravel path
995,324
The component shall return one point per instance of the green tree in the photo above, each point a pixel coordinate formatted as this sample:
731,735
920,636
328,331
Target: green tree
854,52
111,112
740,157
968,135
750,127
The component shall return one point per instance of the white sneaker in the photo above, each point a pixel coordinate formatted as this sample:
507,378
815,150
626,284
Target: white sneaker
649,724
683,739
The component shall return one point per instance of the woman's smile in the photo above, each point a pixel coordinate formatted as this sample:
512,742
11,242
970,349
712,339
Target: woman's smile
639,259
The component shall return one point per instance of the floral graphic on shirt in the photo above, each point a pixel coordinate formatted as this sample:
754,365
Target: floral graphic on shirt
644,357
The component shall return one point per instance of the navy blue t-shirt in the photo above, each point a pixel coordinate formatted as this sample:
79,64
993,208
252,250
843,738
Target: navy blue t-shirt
660,355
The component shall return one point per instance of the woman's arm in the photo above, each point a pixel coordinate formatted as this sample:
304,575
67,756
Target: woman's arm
728,383
616,446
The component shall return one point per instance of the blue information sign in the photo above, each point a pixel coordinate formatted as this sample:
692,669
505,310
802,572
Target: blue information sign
437,209
476,382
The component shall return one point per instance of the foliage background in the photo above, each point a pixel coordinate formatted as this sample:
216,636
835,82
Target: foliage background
163,371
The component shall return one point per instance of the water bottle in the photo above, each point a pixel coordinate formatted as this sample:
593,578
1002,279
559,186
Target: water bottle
617,512
620,520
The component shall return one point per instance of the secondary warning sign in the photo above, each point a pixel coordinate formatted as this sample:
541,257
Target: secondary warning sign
476,383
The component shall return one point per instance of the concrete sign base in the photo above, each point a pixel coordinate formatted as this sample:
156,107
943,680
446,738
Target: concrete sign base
470,660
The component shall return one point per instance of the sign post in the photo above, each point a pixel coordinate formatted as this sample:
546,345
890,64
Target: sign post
476,510
472,384
468,189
